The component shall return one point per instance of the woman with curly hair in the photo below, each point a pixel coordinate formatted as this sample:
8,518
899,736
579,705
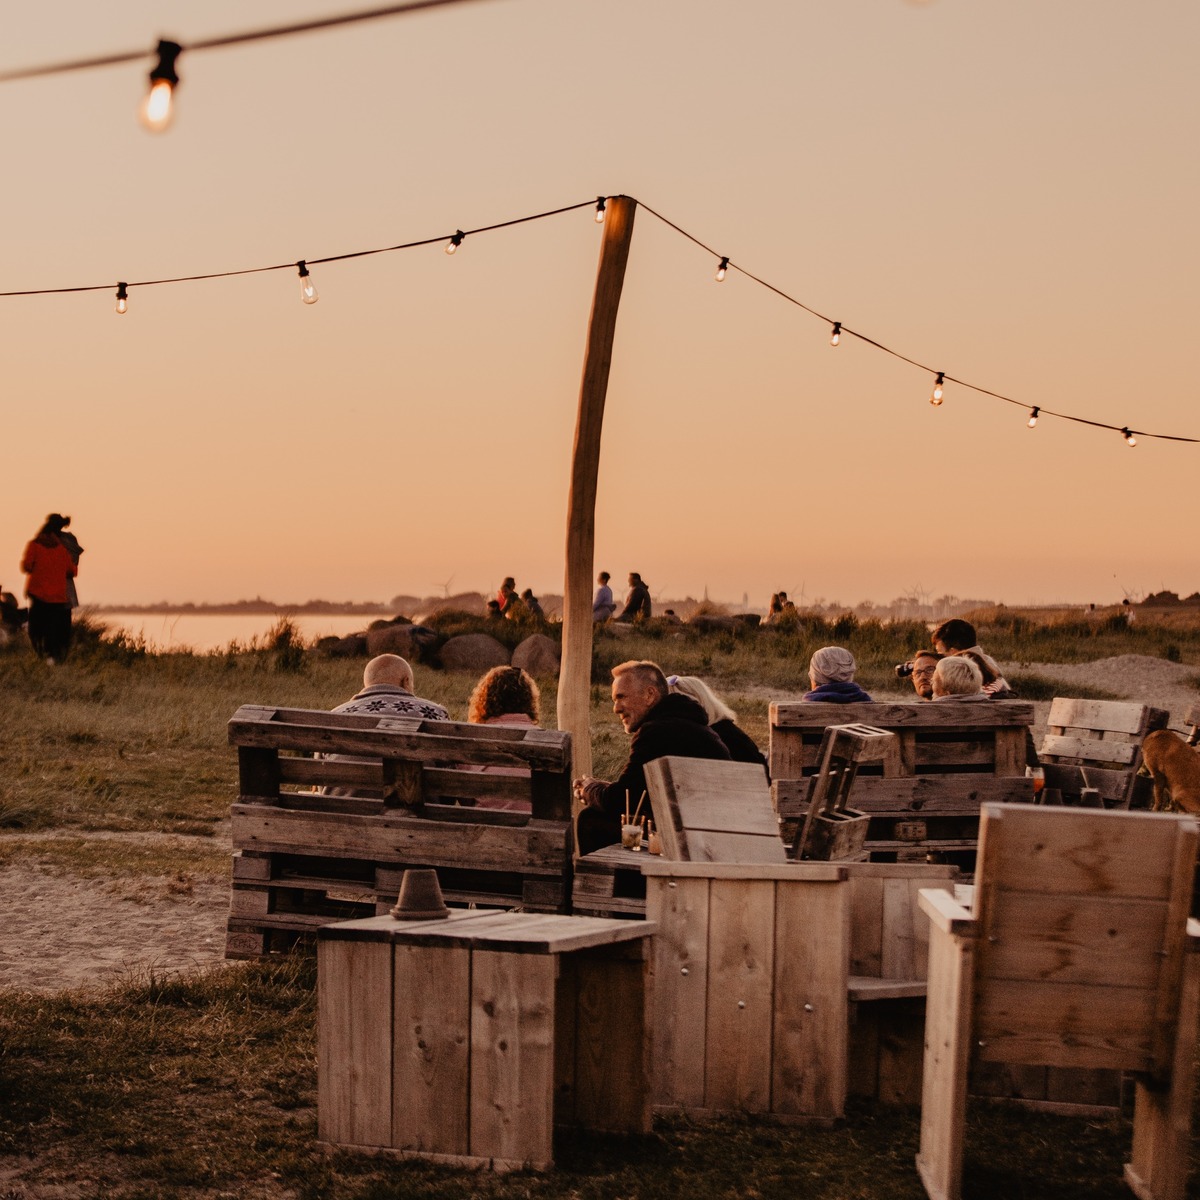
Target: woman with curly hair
504,696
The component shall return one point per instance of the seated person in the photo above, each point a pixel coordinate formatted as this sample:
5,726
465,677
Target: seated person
658,724
956,677
722,720
958,637
532,606
387,692
637,603
504,696
831,677
923,664
603,605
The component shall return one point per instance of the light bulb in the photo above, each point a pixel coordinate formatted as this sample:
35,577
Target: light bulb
1128,436
599,210
836,336
1033,416
308,289
722,270
122,299
158,107
938,389
456,241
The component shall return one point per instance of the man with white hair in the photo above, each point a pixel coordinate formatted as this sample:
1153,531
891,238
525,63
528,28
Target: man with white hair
387,691
831,677
958,678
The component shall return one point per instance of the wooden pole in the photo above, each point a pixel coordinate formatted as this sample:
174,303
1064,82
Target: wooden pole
575,675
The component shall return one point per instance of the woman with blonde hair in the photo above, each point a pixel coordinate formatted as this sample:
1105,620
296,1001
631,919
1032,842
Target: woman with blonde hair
722,720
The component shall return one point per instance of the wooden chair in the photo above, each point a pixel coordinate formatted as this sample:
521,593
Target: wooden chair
832,831
1077,952
1095,747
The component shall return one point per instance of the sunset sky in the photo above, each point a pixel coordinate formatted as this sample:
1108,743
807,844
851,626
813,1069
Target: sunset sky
1007,192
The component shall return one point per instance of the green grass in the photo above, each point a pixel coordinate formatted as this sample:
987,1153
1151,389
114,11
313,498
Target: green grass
206,1085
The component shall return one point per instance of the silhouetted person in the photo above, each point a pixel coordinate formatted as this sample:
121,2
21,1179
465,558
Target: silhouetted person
50,567
637,603
603,605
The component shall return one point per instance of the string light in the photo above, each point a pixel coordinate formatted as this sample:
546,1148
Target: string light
599,210
158,108
1033,416
309,295
308,289
938,389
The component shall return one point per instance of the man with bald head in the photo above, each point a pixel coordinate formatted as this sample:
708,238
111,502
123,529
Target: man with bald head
659,722
387,691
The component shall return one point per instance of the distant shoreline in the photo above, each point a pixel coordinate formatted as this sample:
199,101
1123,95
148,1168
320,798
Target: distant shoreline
252,608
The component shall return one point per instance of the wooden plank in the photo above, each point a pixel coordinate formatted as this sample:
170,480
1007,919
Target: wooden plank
1073,852
613,1045
512,1057
867,988
1010,751
866,924
680,909
741,949
431,1023
1086,750
905,931
809,1022
1064,1025
944,1086
704,847
354,1054
813,872
397,837
1076,939
893,716
1101,715
922,794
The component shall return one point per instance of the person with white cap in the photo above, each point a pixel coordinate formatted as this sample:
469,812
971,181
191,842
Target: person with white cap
831,677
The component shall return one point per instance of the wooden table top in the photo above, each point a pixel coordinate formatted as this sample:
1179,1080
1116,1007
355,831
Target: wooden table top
493,929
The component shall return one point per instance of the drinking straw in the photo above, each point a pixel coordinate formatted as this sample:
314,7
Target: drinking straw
639,806
627,821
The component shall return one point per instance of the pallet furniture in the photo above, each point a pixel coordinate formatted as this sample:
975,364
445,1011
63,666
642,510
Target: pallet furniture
1192,719
1097,744
708,811
609,883
949,757
832,831
750,965
1078,952
333,807
467,1039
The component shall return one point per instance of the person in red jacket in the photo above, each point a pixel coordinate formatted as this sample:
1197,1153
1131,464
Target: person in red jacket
50,567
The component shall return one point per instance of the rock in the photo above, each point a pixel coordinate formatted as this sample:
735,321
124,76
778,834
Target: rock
537,654
405,640
475,652
353,646
713,624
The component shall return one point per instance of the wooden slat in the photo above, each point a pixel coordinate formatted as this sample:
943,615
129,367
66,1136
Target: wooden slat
680,1005
354,1064
512,1056
1100,715
809,1024
866,924
1085,750
919,715
741,950
921,795
1064,1025
431,1020
706,847
865,988
812,872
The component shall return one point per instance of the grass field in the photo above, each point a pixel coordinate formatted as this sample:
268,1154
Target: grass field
204,1086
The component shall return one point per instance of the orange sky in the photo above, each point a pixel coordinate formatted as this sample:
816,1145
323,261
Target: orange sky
1007,192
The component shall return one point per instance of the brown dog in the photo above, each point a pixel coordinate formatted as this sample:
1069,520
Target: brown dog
1175,768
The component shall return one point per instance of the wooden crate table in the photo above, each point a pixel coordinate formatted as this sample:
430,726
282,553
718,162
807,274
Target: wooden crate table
466,1039
608,882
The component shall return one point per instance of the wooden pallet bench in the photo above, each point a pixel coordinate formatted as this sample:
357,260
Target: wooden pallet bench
948,758
333,807
1097,745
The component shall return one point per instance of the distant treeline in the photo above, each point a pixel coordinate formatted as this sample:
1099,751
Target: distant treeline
255,607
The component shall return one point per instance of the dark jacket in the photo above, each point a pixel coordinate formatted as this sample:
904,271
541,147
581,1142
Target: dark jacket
739,743
838,692
637,604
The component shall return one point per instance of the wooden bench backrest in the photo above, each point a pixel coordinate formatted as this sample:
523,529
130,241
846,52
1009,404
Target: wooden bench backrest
709,811
1192,719
1100,739
409,761
1082,918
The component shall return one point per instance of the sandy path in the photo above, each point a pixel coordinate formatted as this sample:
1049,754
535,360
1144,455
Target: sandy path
60,930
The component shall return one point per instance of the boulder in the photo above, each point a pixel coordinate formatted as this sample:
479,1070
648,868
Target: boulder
537,654
475,652
353,646
405,640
